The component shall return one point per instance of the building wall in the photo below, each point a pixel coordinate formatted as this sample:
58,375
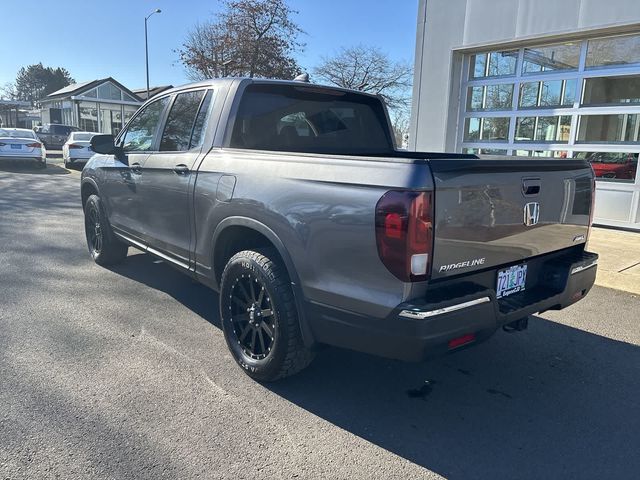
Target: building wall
448,28
452,34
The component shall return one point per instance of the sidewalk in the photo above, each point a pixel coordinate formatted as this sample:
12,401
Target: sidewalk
619,263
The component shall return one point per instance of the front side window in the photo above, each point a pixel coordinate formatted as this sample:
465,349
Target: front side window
142,129
182,116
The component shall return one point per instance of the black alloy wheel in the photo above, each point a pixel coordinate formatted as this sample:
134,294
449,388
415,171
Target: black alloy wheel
93,229
252,316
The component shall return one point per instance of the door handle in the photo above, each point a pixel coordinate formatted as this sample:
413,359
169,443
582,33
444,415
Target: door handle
135,167
181,169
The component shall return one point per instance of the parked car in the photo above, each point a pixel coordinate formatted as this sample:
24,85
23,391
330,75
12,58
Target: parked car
291,200
53,135
77,148
22,145
612,165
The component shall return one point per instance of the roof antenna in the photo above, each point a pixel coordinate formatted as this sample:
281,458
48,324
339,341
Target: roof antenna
303,77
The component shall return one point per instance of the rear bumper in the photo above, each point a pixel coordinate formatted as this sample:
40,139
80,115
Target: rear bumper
21,158
424,327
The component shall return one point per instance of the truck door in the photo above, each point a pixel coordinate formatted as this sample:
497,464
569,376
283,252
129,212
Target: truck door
168,174
123,175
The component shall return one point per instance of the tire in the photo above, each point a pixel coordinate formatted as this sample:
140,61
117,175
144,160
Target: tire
259,317
104,247
41,165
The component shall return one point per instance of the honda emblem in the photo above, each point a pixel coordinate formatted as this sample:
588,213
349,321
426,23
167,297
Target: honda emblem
531,213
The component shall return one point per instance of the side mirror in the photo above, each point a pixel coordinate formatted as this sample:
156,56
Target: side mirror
103,144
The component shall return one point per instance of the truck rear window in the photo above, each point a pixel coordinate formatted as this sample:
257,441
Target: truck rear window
310,119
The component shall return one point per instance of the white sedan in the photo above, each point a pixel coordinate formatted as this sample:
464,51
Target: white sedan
20,144
76,149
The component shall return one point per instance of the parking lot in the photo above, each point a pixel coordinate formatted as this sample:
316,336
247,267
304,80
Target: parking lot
124,373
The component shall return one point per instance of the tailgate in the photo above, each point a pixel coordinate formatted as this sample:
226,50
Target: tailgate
492,212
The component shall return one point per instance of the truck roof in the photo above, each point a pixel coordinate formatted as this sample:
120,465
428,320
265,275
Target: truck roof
227,81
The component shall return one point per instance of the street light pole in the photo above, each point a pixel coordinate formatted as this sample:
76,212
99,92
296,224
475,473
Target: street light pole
146,46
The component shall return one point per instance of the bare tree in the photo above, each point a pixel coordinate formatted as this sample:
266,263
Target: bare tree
255,38
368,69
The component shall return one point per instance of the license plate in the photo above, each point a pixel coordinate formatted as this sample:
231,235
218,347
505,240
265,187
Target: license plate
511,280
15,147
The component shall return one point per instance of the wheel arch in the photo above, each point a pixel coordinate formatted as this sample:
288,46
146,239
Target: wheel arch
237,233
88,188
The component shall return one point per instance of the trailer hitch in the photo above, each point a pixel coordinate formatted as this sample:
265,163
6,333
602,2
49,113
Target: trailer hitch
517,325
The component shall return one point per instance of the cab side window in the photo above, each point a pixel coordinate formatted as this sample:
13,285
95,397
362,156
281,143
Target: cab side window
185,122
142,129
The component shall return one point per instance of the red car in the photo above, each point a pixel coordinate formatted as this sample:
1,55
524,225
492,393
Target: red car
621,166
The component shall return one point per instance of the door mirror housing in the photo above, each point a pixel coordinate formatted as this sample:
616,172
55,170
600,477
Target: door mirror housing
104,144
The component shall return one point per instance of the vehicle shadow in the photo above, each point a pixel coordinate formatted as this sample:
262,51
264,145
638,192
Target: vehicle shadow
551,402
52,169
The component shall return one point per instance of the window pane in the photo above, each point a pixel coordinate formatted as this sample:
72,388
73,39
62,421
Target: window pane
91,93
613,51
550,93
88,117
499,63
490,97
502,63
525,127
543,129
344,123
495,129
478,65
179,126
529,94
608,128
201,122
474,98
553,93
610,166
499,97
564,56
472,129
569,96
142,130
488,128
542,153
612,90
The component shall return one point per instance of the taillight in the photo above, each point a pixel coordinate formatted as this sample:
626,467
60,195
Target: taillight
34,145
404,233
73,145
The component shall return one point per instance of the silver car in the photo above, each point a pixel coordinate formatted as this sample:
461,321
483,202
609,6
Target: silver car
77,148
22,145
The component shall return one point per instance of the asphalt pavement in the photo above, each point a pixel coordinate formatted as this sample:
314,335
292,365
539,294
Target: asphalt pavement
124,373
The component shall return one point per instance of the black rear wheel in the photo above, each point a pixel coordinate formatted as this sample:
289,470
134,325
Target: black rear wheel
259,317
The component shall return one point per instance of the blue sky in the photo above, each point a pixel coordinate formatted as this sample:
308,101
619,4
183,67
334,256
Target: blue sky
95,39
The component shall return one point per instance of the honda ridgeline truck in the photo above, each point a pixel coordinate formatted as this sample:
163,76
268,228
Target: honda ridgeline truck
291,200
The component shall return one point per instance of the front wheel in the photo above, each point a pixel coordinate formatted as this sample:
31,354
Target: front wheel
104,247
259,317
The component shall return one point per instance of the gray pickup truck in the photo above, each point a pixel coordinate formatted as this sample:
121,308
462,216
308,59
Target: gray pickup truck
291,200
